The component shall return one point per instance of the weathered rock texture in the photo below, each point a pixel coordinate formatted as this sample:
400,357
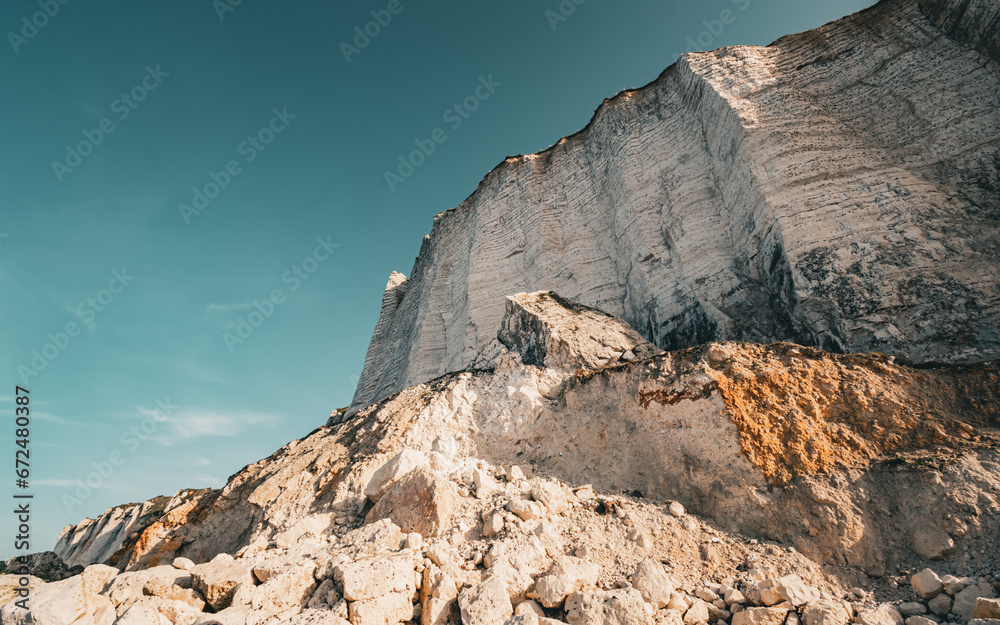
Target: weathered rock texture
97,540
838,188
547,330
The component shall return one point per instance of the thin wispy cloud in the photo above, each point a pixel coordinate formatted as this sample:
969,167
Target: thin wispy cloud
213,307
47,416
211,481
193,423
91,109
56,483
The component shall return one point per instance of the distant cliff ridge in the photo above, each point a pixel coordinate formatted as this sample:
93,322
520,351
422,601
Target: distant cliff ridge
839,188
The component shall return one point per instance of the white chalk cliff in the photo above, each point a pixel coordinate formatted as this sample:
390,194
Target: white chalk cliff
838,188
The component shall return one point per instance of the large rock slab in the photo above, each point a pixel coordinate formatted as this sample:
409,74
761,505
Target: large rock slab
548,330
608,607
487,603
567,575
66,602
421,501
217,580
652,581
374,577
392,471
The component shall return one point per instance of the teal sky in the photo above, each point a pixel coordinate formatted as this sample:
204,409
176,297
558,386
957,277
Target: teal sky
149,395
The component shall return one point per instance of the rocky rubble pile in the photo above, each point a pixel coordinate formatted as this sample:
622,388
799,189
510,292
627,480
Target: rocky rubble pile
502,547
602,484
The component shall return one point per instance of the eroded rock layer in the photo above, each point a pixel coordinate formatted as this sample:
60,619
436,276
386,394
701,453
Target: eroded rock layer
838,188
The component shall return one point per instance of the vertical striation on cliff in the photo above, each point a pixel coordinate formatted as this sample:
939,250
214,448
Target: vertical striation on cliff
838,188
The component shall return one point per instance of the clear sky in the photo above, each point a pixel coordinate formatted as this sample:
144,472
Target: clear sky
173,172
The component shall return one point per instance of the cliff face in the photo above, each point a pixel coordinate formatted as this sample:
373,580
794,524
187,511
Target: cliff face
838,188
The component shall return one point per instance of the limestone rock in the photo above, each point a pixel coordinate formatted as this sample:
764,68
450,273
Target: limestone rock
760,616
527,555
768,591
95,541
529,606
129,587
183,564
233,615
178,612
986,608
552,496
919,620
952,584
881,615
566,576
392,471
940,605
826,612
547,330
289,590
484,483
731,596
965,600
387,609
679,602
217,580
652,581
493,525
516,581
437,611
526,509
97,578
374,577
487,603
933,543
792,589
927,584
172,592
697,613
413,541
608,607
421,501
65,601
911,608
312,617
526,618
324,590
382,536
144,612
